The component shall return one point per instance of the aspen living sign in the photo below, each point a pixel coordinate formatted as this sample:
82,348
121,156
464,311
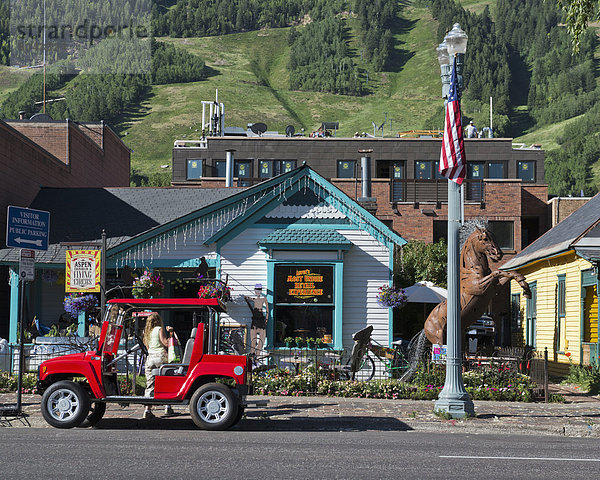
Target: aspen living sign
82,271
304,284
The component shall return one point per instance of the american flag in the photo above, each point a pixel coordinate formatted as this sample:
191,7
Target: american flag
452,157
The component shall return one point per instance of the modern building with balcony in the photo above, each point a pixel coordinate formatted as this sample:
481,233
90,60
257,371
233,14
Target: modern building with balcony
505,185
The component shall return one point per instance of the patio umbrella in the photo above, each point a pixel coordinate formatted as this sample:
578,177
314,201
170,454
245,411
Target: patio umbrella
425,292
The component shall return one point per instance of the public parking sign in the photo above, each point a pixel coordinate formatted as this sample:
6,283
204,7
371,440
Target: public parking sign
27,228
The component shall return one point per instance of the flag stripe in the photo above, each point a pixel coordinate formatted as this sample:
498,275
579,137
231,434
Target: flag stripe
452,155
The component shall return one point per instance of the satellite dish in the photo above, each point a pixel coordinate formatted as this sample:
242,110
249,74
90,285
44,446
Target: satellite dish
289,131
41,117
259,128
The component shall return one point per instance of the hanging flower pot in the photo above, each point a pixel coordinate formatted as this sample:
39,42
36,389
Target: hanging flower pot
75,303
147,285
391,297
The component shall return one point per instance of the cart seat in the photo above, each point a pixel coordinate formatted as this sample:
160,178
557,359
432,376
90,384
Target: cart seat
171,369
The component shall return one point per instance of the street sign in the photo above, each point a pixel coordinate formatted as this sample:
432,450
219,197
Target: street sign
27,228
27,265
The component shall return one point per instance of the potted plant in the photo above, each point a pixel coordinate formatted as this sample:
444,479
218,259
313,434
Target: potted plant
391,297
300,342
319,342
310,342
147,285
74,303
289,342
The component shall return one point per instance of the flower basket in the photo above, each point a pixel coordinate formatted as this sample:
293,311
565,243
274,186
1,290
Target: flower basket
215,291
75,303
147,285
391,297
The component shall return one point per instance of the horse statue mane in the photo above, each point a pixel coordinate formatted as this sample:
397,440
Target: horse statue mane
478,284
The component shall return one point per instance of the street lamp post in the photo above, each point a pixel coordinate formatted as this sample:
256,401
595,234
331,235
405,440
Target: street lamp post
453,398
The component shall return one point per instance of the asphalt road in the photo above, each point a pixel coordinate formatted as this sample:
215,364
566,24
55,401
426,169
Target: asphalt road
159,453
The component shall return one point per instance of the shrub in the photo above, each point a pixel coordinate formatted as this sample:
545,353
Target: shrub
586,376
9,382
493,383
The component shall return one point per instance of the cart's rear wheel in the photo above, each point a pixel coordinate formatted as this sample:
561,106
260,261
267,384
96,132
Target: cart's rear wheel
97,411
214,407
65,404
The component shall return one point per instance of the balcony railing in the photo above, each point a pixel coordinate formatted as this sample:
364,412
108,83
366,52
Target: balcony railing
416,191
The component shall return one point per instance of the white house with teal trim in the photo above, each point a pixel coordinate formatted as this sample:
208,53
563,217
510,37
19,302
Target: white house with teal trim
320,256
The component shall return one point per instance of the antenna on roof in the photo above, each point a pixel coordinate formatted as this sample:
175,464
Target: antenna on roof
216,119
258,128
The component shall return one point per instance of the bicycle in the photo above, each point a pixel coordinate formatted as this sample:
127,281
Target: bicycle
361,365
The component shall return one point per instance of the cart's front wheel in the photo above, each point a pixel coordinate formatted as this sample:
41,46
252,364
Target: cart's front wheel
65,404
214,407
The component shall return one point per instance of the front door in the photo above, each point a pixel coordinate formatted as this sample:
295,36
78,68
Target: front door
531,316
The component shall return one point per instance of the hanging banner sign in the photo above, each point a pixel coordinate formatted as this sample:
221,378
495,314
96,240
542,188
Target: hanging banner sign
82,272
312,284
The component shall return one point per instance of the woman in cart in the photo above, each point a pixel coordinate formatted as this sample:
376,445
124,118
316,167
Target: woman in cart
156,343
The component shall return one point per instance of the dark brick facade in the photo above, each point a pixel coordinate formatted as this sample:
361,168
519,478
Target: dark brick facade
415,212
54,154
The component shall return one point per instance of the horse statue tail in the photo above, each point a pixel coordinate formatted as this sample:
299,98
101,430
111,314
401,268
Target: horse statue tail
416,348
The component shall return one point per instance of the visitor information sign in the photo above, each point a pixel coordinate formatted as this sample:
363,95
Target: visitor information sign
82,272
27,228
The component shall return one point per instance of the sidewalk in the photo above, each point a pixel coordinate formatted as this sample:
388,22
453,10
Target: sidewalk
579,417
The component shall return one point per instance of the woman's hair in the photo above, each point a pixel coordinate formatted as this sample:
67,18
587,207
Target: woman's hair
152,321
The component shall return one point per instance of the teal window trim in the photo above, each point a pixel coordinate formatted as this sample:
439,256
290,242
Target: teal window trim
561,309
531,317
338,294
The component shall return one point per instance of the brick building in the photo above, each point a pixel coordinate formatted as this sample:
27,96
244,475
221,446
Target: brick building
55,154
504,185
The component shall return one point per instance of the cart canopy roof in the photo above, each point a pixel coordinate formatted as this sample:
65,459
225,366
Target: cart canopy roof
183,303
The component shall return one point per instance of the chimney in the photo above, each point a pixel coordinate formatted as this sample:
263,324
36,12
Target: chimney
366,200
22,115
229,168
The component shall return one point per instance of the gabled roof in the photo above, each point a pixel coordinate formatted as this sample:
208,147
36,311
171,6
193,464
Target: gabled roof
80,214
305,177
560,238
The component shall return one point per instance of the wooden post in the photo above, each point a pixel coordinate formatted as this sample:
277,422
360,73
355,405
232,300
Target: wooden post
546,395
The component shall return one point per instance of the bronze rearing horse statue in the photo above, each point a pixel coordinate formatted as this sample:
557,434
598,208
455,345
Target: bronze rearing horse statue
478,284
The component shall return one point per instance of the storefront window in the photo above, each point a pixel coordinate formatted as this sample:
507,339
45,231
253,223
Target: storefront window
495,170
272,168
304,302
526,171
345,168
194,169
504,233
423,170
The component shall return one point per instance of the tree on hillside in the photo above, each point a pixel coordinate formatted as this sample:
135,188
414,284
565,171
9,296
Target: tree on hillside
578,14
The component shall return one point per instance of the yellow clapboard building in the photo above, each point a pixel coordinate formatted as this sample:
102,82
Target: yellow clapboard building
561,268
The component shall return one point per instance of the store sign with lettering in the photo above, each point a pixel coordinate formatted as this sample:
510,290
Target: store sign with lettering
82,271
303,284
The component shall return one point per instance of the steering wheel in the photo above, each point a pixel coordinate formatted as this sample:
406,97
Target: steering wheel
140,342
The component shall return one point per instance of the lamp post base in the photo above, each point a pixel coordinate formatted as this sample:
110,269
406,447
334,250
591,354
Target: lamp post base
459,406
